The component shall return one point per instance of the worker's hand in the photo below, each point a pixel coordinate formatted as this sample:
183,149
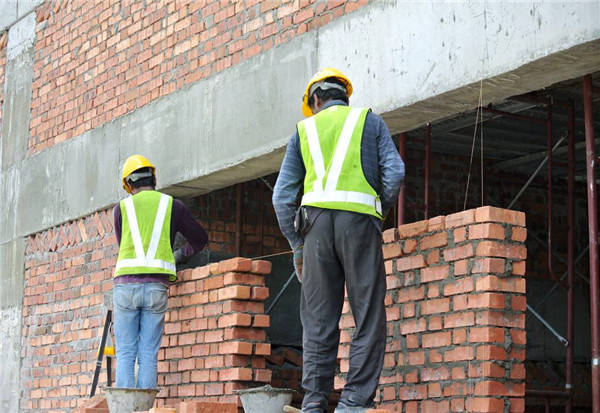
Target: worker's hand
298,261
180,258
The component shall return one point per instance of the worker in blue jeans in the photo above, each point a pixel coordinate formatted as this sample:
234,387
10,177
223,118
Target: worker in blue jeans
145,226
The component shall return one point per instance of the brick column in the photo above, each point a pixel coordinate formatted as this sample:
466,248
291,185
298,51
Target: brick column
215,340
456,314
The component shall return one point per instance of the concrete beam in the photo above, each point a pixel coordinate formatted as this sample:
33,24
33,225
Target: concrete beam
412,62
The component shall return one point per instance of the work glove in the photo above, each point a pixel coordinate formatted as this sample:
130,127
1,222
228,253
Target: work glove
180,258
298,260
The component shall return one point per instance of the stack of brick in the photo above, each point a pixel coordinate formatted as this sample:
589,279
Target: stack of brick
215,339
456,314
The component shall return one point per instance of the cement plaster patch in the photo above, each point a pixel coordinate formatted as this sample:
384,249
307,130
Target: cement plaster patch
10,348
16,113
14,10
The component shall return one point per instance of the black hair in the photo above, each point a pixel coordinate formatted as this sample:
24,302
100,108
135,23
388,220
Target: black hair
146,181
329,94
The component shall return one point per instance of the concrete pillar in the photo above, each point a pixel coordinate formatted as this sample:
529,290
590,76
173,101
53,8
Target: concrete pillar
13,149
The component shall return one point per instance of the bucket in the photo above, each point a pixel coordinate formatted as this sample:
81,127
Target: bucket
265,399
128,400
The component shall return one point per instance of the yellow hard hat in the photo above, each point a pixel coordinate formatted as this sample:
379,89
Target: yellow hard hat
132,164
319,76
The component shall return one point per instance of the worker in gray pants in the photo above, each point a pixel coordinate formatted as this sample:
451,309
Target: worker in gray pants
351,172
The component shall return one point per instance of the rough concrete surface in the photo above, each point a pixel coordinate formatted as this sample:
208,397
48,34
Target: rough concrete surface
14,10
12,256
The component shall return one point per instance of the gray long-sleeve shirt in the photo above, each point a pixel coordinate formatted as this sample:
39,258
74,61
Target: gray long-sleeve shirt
381,164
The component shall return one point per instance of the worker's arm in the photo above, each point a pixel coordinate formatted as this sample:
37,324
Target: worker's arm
391,167
286,190
117,222
186,225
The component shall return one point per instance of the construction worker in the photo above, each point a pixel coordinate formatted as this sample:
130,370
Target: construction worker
351,173
145,226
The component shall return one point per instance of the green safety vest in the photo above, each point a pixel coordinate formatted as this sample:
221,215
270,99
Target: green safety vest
146,235
330,142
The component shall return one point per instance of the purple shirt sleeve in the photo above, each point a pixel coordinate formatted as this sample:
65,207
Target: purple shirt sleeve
183,222
117,221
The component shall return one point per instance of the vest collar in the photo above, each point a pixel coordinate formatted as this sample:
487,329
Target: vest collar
334,102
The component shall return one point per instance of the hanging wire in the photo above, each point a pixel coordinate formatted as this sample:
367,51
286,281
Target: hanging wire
479,111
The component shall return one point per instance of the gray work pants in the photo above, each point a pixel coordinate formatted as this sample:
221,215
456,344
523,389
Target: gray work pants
342,247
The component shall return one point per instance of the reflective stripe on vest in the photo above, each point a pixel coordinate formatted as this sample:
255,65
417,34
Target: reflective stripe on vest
146,259
330,193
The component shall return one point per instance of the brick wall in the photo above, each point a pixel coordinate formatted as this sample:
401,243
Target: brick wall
68,270
456,314
95,61
214,334
215,340
260,233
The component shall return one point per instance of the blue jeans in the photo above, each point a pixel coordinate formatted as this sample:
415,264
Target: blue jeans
139,322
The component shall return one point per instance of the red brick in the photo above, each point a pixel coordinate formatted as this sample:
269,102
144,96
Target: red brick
460,234
488,265
261,320
460,219
239,374
493,283
489,231
231,278
486,335
263,349
235,347
497,249
518,303
200,272
207,407
517,371
261,267
518,337
459,336
412,392
461,286
518,268
435,374
410,246
410,263
411,230
461,267
235,319
260,293
413,326
494,214
436,339
437,273
458,253
436,224
481,405
519,234
237,264
486,369
238,292
262,375
455,320
441,305
434,241
501,319
389,236
459,353
490,352
416,358
392,250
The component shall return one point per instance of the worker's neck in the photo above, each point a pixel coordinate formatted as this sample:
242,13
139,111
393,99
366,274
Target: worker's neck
141,188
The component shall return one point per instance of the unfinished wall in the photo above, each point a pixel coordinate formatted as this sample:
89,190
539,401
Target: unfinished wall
215,340
456,314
